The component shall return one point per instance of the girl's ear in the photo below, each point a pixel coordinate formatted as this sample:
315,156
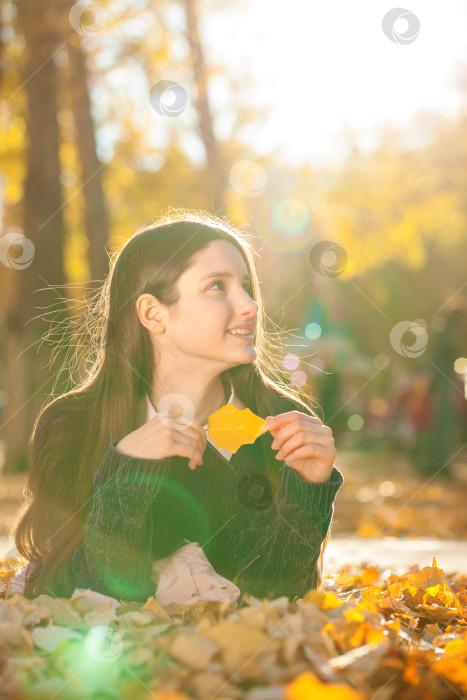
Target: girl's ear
150,313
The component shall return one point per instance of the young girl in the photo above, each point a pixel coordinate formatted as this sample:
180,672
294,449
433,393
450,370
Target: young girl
122,472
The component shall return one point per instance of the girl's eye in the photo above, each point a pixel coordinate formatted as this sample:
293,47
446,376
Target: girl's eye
247,285
217,282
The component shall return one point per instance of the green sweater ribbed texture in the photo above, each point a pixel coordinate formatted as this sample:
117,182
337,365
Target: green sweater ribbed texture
144,510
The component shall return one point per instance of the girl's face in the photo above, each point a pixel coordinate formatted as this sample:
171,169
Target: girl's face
197,327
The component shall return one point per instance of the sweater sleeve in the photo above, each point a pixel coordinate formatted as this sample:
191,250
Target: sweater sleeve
291,545
114,557
316,498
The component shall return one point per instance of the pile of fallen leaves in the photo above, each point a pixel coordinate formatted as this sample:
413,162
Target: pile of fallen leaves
362,637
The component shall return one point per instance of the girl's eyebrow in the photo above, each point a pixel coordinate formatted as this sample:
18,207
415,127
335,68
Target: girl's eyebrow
223,274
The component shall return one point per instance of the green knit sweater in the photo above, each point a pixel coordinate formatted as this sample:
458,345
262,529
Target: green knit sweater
145,509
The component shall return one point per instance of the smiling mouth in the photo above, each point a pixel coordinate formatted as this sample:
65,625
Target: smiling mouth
241,336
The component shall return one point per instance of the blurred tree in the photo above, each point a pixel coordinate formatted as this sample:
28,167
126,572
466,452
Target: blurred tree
215,163
1,40
42,221
95,214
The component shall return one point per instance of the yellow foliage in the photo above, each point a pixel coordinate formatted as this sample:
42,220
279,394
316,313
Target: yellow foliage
308,686
323,601
13,193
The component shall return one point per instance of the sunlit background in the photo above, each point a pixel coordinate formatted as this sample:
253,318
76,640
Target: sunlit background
326,70
324,75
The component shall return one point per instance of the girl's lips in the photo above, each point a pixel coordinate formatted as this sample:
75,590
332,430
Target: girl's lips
242,337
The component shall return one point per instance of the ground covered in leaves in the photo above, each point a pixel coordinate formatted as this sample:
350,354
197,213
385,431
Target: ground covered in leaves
363,637
384,495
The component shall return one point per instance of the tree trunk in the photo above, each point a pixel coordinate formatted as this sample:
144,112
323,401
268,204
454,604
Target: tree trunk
27,382
215,170
96,214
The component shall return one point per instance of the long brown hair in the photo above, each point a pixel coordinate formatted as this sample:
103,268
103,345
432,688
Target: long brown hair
72,431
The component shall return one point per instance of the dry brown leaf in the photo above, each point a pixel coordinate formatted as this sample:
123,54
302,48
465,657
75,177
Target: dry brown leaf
334,641
49,638
193,651
152,607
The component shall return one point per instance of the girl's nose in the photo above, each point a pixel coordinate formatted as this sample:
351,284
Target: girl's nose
247,314
248,305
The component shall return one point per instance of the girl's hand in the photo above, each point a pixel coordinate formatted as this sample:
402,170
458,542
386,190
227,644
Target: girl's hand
163,437
304,444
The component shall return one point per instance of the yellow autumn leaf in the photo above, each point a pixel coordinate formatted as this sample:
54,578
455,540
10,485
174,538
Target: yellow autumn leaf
308,685
345,579
322,600
451,668
230,428
369,575
456,647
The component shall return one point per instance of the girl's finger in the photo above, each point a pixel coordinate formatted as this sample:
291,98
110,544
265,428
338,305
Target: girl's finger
283,419
305,451
291,427
189,431
185,426
191,440
305,435
190,451
292,445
